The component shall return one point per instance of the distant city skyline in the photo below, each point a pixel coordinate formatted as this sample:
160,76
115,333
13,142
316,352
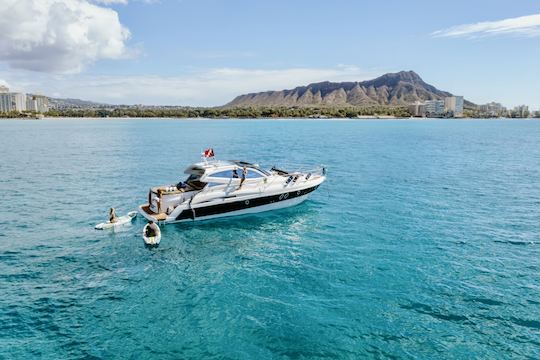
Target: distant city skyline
205,53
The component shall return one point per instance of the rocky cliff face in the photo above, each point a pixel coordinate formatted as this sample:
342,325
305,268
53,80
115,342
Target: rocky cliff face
400,88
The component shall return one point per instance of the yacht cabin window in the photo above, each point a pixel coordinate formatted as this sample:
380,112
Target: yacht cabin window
237,173
253,174
227,174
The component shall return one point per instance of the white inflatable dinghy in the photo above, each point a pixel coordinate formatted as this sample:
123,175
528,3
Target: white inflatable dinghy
152,240
122,220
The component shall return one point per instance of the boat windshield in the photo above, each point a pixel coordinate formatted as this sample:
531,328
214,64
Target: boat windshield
195,182
264,172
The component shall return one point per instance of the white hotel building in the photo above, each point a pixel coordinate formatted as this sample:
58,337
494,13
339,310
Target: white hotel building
10,101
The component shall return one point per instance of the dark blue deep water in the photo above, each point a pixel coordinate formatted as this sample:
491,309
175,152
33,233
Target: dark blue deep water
424,243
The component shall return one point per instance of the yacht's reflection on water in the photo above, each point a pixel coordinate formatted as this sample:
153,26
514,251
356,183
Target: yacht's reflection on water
243,231
267,221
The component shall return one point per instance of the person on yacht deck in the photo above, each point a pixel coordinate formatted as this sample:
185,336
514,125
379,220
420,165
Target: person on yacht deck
112,216
244,174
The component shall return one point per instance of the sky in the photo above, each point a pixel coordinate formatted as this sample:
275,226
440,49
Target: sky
206,52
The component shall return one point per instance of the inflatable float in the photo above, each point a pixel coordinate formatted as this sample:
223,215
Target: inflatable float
122,220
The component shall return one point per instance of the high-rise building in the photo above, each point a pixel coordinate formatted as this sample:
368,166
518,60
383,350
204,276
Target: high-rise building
492,109
5,102
12,102
19,101
418,109
453,105
37,103
521,111
434,108
3,89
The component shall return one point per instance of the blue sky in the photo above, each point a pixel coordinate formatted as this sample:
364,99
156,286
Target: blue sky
204,52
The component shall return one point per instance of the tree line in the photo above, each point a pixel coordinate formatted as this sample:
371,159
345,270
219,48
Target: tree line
223,113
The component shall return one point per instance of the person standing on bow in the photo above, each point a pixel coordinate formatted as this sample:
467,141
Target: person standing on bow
244,175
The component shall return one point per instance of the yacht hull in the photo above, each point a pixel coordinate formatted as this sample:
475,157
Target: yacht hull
253,210
244,206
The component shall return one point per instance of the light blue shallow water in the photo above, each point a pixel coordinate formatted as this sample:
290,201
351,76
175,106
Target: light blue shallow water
423,243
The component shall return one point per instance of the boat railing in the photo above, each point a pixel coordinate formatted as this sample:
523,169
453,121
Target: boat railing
305,172
299,170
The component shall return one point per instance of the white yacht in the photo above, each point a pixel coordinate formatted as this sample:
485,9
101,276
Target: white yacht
216,189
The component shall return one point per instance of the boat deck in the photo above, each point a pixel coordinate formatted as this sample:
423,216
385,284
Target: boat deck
158,217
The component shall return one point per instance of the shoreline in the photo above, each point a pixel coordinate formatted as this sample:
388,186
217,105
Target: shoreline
363,118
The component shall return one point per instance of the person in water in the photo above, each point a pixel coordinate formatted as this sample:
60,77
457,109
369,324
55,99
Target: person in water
152,229
112,216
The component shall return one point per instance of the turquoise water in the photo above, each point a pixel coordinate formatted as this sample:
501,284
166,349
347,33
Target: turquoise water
424,243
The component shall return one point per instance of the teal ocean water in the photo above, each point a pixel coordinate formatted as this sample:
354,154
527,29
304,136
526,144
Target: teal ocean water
424,243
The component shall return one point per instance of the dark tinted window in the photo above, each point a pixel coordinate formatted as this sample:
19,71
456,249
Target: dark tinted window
252,174
227,174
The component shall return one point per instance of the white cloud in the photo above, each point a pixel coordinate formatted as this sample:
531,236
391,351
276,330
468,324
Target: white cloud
524,26
124,2
59,35
203,88
109,2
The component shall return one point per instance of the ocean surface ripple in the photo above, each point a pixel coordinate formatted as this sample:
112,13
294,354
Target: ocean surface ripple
424,243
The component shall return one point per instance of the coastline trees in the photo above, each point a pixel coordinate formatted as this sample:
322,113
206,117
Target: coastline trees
225,113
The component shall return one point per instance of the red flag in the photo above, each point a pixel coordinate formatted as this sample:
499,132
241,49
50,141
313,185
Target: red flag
208,153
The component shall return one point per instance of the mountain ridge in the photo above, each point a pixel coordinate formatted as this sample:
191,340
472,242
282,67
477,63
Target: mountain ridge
72,103
394,89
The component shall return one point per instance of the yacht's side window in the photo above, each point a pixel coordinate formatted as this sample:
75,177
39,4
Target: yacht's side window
227,174
253,174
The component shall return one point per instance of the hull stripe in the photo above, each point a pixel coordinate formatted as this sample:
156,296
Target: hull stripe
241,205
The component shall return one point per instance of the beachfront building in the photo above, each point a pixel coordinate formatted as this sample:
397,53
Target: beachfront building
453,106
434,108
521,111
492,109
12,102
5,102
37,103
418,109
